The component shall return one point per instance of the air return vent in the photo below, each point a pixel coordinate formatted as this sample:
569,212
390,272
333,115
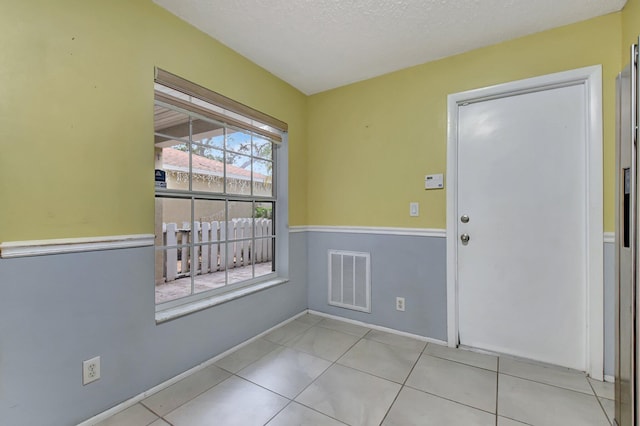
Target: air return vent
350,280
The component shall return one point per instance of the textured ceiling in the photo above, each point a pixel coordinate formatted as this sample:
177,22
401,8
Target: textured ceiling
317,45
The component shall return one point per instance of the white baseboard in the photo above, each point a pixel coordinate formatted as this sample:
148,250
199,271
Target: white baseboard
380,328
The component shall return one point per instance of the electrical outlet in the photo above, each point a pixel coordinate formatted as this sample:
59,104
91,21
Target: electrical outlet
90,370
400,304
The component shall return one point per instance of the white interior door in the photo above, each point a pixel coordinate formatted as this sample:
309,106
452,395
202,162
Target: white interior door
522,181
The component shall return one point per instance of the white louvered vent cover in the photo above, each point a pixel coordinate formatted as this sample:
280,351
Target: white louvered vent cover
350,280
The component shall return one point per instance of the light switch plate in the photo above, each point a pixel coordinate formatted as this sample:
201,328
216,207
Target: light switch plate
414,209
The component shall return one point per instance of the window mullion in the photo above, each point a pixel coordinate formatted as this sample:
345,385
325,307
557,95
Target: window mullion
190,154
214,194
253,239
224,161
194,259
226,243
274,172
192,250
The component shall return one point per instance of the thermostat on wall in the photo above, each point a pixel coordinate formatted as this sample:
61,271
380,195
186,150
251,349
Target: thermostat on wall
434,181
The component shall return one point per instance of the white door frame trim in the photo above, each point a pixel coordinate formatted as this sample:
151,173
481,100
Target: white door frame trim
591,78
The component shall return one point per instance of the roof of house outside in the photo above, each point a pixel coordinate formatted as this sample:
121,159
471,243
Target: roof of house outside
174,159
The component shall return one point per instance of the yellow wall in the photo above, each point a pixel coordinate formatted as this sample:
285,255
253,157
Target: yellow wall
76,113
76,117
371,143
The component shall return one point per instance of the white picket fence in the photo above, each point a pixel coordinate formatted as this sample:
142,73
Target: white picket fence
210,253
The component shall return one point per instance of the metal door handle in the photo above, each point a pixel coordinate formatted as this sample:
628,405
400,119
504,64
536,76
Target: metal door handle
464,218
464,238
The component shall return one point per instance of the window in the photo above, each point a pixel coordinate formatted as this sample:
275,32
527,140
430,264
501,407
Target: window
216,198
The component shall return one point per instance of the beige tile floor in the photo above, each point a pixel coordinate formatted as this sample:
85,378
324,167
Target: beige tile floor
318,371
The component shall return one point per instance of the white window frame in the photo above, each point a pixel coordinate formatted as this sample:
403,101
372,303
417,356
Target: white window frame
198,301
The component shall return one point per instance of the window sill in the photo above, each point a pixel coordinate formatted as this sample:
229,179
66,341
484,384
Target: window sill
189,308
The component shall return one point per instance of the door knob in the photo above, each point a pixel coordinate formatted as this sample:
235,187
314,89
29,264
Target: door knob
464,218
464,238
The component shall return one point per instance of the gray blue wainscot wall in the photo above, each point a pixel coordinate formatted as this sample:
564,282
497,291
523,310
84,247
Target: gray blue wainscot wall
58,310
414,267
409,266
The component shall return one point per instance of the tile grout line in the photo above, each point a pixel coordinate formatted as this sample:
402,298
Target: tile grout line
442,397
283,346
466,365
549,384
462,363
292,400
360,338
374,374
167,421
516,420
497,385
231,374
278,412
273,392
371,374
310,408
159,417
403,385
156,414
600,402
190,399
449,399
321,374
343,332
258,359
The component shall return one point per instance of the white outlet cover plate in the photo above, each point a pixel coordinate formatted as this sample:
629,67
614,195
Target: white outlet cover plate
90,370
